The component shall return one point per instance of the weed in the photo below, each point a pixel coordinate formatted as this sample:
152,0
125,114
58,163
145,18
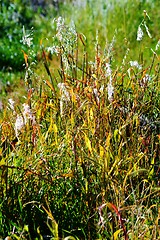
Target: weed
80,156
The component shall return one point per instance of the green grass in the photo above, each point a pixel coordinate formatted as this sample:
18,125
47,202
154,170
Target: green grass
80,145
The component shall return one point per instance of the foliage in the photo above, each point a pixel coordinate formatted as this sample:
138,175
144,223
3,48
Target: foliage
80,154
13,16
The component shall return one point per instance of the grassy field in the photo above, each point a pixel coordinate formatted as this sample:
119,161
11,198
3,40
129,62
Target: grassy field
80,124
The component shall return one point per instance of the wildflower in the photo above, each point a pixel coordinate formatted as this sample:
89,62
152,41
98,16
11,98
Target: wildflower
28,75
139,33
101,89
135,64
53,50
108,70
65,95
72,29
110,91
27,113
26,39
11,103
60,28
65,62
95,91
19,124
22,120
101,218
145,80
64,91
110,86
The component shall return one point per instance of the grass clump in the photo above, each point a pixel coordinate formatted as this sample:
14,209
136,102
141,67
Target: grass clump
80,156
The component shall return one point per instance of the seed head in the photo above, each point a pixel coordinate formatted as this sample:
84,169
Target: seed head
139,33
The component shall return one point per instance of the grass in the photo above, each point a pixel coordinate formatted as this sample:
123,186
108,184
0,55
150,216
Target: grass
80,149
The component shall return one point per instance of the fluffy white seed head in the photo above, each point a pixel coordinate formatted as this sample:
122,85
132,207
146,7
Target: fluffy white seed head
139,33
110,91
11,103
19,124
135,64
27,38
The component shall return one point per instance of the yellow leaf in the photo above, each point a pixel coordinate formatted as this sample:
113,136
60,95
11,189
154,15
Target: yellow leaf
55,129
88,119
1,151
108,140
101,151
50,126
114,166
25,58
152,161
49,85
2,162
68,175
73,97
88,143
72,119
91,114
115,235
116,134
49,214
136,120
26,229
41,42
94,76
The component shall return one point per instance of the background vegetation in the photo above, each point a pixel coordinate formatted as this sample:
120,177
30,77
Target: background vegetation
80,120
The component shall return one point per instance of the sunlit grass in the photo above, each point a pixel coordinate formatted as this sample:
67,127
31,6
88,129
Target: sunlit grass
80,151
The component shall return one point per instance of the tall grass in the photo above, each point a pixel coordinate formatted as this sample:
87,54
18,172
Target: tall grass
80,157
